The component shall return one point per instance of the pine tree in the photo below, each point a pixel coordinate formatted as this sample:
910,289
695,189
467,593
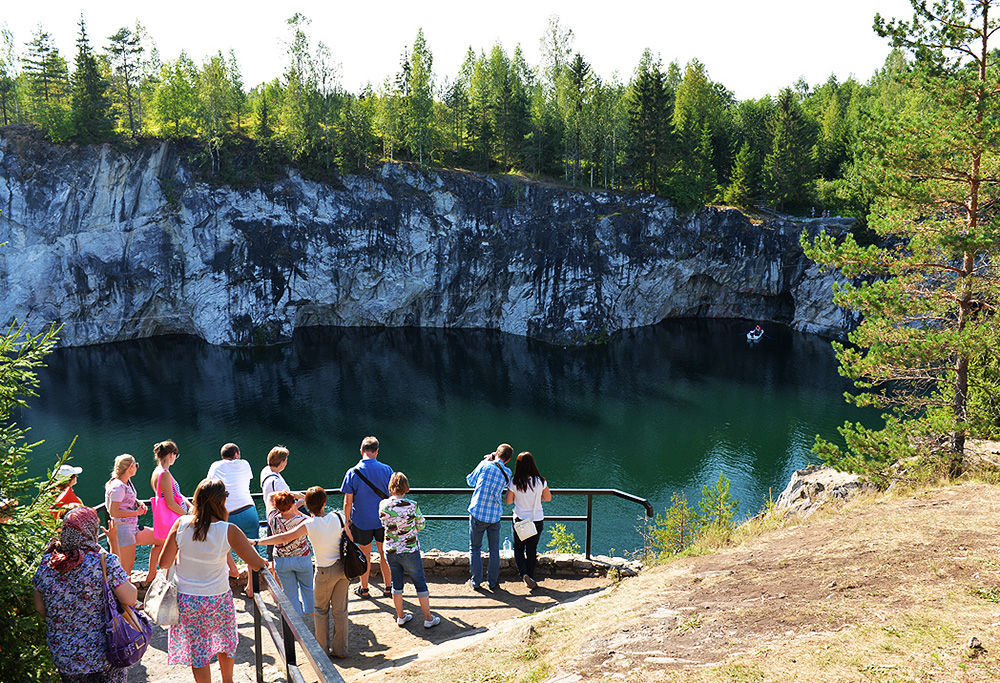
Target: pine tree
8,77
48,86
929,290
125,50
90,105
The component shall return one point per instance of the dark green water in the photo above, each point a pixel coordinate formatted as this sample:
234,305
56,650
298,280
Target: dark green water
653,411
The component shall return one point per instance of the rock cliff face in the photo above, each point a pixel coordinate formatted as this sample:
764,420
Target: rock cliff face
119,244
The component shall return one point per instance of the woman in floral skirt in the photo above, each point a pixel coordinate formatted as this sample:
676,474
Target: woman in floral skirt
200,542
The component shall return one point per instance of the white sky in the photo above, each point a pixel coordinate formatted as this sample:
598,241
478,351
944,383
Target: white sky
752,47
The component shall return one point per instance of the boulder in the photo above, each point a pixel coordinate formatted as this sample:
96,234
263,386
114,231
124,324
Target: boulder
811,487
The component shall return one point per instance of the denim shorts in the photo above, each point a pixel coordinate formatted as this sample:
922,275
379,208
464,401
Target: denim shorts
126,533
411,565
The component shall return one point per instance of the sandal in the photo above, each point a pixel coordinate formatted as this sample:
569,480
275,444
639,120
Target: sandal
361,591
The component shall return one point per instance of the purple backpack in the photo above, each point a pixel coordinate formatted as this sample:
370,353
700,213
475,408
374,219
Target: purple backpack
128,633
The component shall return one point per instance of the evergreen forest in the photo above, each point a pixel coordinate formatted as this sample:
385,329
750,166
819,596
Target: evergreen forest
669,129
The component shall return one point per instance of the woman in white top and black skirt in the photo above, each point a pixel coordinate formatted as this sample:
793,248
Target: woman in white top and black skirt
527,491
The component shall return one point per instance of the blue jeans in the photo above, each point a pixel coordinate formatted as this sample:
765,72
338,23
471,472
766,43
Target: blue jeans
296,574
476,530
411,565
247,521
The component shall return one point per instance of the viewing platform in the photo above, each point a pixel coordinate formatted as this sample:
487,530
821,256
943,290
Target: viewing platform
378,648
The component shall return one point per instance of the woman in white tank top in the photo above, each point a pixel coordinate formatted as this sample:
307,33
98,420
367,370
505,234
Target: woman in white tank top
200,543
527,491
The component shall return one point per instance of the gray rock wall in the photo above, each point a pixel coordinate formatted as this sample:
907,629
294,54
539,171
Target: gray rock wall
119,244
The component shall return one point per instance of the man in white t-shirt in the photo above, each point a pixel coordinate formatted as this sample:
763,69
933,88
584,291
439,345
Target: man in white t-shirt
271,480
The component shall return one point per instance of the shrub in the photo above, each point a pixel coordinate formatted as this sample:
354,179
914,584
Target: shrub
563,541
26,525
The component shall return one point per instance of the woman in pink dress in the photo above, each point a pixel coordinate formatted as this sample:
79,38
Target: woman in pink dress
168,503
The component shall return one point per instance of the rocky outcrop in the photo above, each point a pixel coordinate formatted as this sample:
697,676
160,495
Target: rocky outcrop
119,244
810,488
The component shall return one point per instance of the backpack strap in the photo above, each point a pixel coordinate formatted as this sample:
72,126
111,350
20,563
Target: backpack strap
381,494
267,479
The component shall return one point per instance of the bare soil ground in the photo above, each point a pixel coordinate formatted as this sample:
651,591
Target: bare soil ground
883,589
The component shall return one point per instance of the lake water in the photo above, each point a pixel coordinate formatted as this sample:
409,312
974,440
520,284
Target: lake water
654,411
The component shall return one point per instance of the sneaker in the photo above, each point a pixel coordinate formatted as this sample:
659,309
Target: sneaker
472,585
529,582
433,622
403,620
494,587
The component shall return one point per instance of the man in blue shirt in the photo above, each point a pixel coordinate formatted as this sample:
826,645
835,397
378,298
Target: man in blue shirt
361,499
489,480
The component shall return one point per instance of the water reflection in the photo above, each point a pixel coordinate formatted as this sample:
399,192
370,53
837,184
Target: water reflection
652,411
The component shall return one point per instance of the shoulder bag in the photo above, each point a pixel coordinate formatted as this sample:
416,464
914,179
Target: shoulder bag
355,562
128,631
524,528
161,599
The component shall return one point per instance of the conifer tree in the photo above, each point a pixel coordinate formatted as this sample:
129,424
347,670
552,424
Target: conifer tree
738,192
8,77
928,291
48,85
788,166
125,50
649,111
90,105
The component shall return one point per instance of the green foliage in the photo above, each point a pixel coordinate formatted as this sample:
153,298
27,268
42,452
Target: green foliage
91,109
738,193
125,49
562,540
927,288
26,528
717,507
788,166
681,525
47,87
420,100
675,531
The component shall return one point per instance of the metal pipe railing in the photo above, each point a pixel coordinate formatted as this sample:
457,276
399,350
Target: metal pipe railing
292,630
588,519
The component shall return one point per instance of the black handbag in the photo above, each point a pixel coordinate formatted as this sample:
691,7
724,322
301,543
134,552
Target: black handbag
355,562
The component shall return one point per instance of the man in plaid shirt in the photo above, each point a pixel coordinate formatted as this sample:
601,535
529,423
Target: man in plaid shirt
490,480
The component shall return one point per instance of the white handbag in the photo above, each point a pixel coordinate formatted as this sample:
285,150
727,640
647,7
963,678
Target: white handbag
161,599
525,529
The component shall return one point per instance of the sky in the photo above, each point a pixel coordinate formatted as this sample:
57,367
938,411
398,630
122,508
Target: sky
753,48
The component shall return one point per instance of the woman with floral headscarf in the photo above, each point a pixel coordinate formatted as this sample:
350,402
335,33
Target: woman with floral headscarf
69,594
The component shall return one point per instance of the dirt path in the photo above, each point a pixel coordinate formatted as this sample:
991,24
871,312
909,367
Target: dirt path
880,591
376,643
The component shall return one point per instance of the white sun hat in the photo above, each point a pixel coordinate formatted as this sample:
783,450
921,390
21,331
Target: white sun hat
67,471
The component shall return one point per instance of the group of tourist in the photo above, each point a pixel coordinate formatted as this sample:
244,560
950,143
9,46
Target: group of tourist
198,538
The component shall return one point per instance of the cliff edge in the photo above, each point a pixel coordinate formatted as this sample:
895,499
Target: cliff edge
121,243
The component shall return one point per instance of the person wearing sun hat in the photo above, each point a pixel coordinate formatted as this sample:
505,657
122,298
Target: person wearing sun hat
65,478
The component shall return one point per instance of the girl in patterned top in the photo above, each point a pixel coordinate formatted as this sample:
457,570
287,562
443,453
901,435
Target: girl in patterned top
401,520
293,561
